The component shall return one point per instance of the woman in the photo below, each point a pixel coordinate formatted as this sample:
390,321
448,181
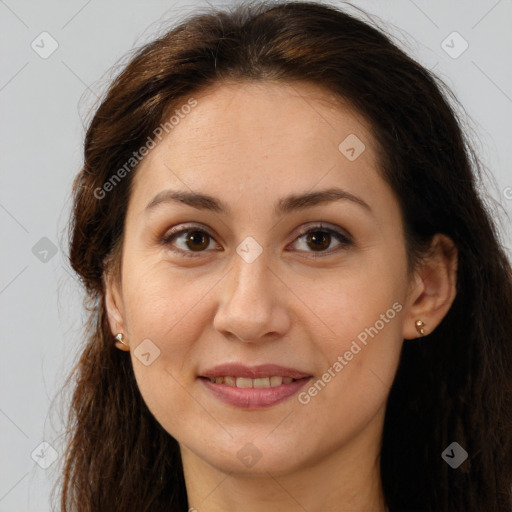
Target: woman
300,301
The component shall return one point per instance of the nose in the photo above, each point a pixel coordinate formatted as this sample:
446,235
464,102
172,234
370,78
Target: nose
251,304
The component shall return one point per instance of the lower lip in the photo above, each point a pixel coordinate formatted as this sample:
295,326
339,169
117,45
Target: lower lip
254,398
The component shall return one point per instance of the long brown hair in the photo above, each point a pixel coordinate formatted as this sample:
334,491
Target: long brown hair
453,385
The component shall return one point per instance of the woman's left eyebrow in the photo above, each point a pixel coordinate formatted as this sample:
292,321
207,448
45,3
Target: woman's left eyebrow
283,206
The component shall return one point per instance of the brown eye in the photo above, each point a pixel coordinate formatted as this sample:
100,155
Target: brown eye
319,239
191,241
188,241
197,240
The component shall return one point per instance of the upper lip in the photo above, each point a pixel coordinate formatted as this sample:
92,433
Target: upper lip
253,372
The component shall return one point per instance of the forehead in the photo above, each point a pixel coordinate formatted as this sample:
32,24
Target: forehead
264,137
267,116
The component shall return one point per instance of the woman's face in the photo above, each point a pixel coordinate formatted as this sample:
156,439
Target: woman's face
270,269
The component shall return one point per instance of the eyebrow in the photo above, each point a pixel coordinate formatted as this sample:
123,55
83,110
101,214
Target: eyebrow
283,206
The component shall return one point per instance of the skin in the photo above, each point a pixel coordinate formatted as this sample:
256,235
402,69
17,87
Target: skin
290,306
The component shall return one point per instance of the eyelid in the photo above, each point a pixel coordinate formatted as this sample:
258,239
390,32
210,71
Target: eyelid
324,226
342,236
181,229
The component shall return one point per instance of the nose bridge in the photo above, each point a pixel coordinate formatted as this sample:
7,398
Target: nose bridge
248,307
250,286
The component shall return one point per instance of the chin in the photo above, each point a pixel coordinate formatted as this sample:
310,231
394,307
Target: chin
255,458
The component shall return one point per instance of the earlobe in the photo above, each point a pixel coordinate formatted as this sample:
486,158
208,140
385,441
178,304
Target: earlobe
435,289
115,310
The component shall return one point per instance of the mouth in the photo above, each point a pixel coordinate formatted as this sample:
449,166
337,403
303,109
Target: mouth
253,387
244,382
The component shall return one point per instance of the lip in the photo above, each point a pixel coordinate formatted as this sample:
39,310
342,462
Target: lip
253,372
253,398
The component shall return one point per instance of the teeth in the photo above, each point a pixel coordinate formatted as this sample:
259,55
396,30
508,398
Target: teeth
244,382
230,381
261,383
276,381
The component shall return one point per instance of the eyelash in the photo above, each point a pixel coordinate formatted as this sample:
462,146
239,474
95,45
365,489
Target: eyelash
345,240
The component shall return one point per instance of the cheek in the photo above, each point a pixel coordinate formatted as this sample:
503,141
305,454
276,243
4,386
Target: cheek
159,301
367,293
162,310
362,314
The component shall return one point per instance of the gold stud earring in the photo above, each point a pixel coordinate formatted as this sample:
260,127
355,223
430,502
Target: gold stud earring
420,327
120,338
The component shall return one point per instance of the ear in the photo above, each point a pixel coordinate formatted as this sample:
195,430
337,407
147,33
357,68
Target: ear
434,288
114,306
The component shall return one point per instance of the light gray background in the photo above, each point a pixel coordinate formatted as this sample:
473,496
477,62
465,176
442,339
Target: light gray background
44,105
